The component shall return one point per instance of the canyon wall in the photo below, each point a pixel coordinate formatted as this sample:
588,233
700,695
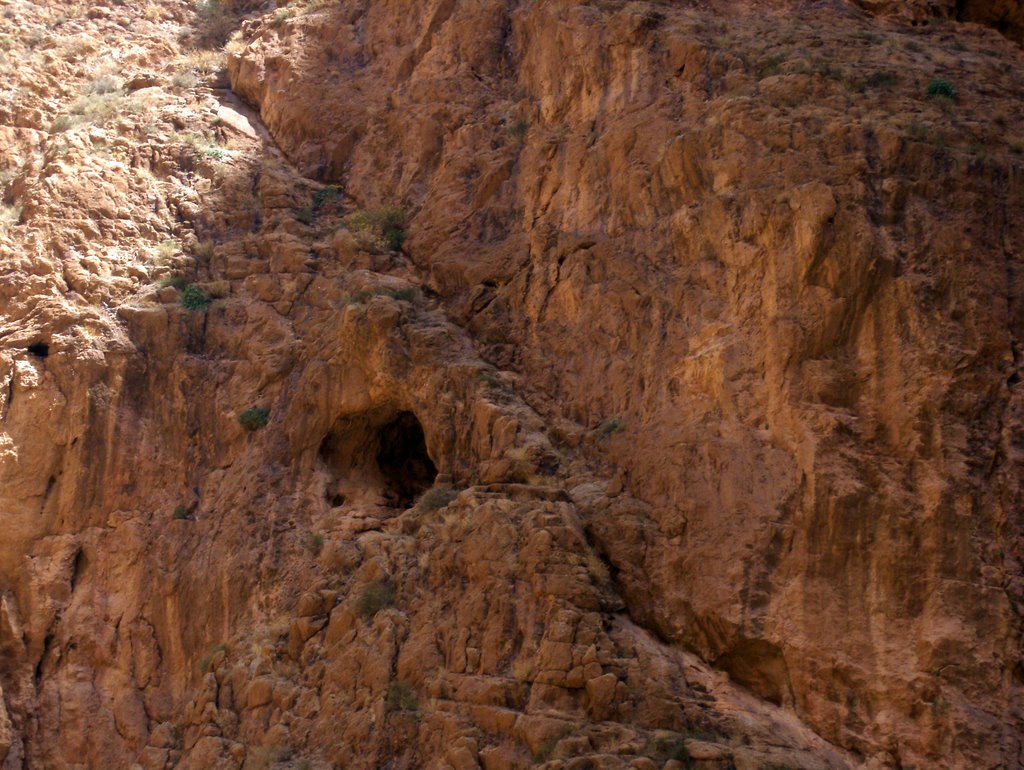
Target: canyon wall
676,421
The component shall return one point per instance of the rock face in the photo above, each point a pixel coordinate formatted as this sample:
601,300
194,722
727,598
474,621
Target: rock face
498,384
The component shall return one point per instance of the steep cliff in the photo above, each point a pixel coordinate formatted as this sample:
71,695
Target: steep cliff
495,384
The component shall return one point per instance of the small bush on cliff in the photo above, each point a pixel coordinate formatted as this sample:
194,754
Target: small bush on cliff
194,298
206,660
375,597
608,427
404,295
104,84
378,229
437,497
401,697
324,195
940,88
266,757
664,749
213,23
254,419
517,131
315,541
180,512
178,282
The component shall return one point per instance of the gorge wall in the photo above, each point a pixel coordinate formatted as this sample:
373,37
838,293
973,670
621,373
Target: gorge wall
622,384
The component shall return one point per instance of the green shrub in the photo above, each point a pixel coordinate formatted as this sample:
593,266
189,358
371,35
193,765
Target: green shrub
940,88
404,295
436,497
213,23
322,196
64,123
376,596
543,754
665,749
380,229
180,512
772,65
254,419
315,541
194,298
517,131
608,427
206,660
401,697
185,79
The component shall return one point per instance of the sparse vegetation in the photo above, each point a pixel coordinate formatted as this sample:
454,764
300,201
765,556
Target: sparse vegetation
265,757
213,23
205,147
404,295
436,497
401,697
524,671
543,754
408,294
315,542
608,427
380,229
324,195
517,131
167,249
10,215
881,79
255,418
203,249
283,14
178,282
665,749
206,660
358,298
375,597
194,298
940,88
597,569
185,79
104,84
772,65
180,512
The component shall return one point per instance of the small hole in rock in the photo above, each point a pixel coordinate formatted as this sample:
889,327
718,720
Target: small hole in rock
337,500
40,349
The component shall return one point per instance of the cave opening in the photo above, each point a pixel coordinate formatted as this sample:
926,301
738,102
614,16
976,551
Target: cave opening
39,349
379,457
403,459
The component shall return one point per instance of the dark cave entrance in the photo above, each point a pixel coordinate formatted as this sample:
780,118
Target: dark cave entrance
38,349
403,459
380,457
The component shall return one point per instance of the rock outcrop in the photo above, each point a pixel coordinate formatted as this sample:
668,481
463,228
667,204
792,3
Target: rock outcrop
483,385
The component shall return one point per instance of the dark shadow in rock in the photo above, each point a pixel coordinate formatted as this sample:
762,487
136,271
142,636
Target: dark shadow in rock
378,456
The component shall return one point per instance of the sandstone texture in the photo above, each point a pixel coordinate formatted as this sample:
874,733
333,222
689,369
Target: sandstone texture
495,384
